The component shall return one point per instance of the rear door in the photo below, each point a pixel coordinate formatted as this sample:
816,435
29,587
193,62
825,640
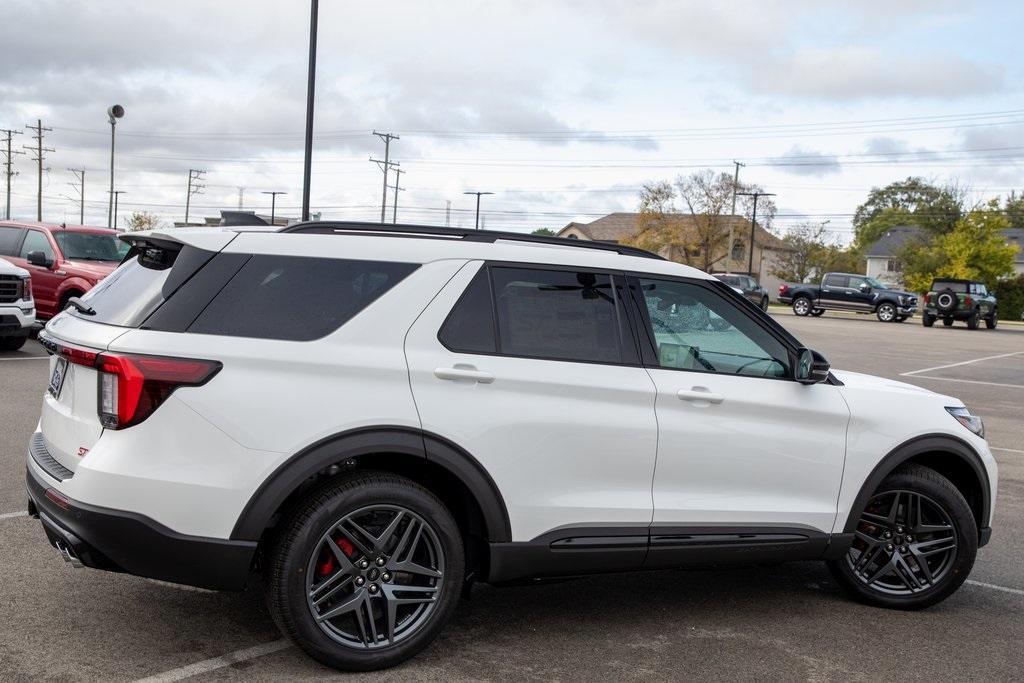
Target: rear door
534,371
834,292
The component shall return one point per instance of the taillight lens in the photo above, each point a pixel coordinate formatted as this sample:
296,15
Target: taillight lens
968,302
783,289
927,298
132,386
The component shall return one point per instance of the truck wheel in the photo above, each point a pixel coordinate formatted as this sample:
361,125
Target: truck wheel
886,312
991,321
764,303
12,343
948,322
927,319
818,312
802,305
972,322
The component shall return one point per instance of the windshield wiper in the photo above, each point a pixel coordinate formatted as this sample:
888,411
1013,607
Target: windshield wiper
83,308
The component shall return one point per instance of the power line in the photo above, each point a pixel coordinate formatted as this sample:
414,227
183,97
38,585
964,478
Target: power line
9,172
40,153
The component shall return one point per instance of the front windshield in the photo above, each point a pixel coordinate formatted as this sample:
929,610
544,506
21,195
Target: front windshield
90,246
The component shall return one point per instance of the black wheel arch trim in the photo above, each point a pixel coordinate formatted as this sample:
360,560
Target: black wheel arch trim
338,448
927,443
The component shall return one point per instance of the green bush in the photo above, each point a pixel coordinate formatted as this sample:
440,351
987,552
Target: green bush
1010,294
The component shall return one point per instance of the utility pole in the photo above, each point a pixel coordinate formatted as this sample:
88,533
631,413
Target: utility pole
241,196
394,207
307,162
9,163
273,202
447,213
387,138
117,195
39,152
80,188
753,222
477,226
194,176
735,186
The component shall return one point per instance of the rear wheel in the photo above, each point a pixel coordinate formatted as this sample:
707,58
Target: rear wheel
818,312
886,312
915,544
802,305
12,343
366,572
927,319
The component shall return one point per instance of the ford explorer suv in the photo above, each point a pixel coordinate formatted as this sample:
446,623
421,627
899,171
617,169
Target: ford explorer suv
65,261
17,309
849,292
950,299
373,417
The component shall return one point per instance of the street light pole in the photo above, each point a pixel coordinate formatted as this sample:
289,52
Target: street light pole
273,202
117,194
114,112
307,167
477,225
753,222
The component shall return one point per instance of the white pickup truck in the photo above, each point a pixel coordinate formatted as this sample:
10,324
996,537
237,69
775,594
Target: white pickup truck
17,308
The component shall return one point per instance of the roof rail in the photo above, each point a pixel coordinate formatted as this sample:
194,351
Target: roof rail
435,232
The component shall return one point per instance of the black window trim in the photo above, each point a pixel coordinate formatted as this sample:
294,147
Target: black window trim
623,319
753,313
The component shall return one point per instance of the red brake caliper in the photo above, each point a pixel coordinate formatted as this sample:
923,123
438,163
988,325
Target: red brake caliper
327,565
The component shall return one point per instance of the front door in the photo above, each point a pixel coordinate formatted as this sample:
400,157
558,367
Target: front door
534,372
741,446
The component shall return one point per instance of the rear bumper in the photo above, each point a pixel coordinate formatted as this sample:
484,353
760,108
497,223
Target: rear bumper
121,541
958,314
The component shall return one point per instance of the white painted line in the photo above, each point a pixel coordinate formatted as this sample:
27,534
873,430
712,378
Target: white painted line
956,365
209,665
968,381
1007,450
12,515
26,358
982,584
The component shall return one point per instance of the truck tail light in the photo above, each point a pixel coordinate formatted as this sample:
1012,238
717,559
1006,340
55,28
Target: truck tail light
928,298
968,302
783,290
132,386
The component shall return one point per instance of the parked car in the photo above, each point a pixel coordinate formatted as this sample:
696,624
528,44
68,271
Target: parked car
374,416
17,309
65,260
849,292
748,287
952,299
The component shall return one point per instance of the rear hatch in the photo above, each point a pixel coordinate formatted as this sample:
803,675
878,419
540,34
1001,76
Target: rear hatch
152,272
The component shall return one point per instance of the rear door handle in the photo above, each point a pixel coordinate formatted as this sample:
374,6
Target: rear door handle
468,374
698,394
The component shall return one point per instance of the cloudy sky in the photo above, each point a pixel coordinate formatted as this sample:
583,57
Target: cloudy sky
561,108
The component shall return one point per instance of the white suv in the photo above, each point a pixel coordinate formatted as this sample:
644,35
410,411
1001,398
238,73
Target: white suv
17,308
374,417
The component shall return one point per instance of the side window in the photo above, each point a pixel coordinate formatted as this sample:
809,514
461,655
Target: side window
296,298
557,315
36,241
836,281
695,328
9,240
982,290
469,327
856,282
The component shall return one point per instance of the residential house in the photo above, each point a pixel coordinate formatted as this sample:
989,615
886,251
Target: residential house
617,227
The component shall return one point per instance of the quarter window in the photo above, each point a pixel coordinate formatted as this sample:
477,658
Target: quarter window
470,326
36,241
695,328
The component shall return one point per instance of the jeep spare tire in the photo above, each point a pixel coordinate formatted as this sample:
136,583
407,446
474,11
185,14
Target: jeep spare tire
946,300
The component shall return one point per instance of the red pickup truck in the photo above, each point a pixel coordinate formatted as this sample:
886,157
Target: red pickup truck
63,260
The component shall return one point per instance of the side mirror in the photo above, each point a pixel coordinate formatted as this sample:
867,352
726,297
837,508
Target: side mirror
865,287
811,367
38,258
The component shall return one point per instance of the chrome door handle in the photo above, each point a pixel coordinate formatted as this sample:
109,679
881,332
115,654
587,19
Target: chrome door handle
469,374
698,394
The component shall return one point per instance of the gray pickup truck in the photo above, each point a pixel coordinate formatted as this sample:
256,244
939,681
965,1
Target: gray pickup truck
849,292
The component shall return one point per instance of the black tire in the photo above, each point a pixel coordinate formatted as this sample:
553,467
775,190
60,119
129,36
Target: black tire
972,321
946,301
943,502
764,303
304,532
927,319
802,305
948,322
818,312
886,312
991,321
12,343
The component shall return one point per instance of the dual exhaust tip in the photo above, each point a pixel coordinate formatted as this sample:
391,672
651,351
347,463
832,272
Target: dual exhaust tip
68,553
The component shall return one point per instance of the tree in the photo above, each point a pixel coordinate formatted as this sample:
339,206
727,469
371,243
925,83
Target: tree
935,209
143,220
807,250
975,249
1014,208
543,232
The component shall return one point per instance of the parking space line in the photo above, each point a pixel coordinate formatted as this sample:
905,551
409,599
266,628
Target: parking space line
956,365
208,665
12,515
982,584
1008,450
26,358
966,381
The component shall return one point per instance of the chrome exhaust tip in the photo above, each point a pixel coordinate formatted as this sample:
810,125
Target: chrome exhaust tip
68,554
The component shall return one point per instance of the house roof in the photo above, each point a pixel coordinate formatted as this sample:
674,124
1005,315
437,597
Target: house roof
889,244
616,227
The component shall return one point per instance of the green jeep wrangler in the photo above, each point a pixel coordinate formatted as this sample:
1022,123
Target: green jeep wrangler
966,300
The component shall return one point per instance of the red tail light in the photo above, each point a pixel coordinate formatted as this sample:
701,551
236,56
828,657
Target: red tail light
783,290
132,386
927,298
968,302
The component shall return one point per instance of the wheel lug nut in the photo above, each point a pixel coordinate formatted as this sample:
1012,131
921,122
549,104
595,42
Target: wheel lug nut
364,564
903,548
888,534
889,547
373,588
360,581
899,530
380,561
910,539
386,576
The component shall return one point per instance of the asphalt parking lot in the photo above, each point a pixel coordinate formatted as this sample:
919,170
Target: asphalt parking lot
788,622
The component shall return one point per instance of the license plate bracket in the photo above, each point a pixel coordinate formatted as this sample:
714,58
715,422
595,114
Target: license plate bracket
60,372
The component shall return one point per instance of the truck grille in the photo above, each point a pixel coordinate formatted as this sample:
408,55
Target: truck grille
10,289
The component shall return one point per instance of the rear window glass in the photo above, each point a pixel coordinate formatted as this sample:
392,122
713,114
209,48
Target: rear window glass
87,246
9,238
297,298
470,326
958,287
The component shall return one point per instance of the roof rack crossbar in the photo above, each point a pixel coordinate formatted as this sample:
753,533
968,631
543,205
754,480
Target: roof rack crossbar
428,231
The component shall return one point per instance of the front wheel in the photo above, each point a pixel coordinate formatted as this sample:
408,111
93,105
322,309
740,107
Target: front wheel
972,321
764,303
991,321
12,343
366,572
915,542
886,312
801,305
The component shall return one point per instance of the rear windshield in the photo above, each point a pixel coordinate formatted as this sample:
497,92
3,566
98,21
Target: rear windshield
87,246
729,280
959,287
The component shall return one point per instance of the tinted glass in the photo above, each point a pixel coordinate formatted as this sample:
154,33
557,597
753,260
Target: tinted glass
730,280
296,298
84,246
9,240
836,281
556,314
695,328
960,287
36,241
856,282
470,326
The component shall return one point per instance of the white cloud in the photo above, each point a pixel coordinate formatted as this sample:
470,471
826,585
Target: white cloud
804,162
